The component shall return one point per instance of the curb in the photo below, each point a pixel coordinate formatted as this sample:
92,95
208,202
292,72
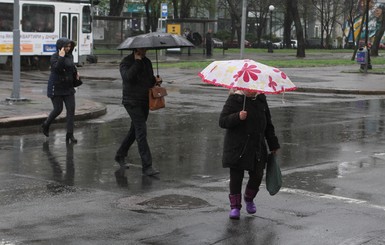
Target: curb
90,110
338,91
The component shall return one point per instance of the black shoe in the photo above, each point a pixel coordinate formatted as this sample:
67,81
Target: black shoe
45,128
121,160
150,171
70,138
121,178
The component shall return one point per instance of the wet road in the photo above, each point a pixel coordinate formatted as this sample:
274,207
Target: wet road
339,134
328,142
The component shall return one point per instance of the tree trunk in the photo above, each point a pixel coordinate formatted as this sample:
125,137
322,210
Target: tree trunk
185,6
235,18
148,16
298,28
114,31
116,7
175,5
287,26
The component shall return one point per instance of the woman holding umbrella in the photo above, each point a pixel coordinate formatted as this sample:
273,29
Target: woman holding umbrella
247,120
244,145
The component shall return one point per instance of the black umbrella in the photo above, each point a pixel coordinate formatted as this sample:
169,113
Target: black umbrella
155,40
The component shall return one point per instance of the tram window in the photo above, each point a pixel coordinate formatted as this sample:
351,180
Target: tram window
86,20
6,16
74,34
38,18
64,26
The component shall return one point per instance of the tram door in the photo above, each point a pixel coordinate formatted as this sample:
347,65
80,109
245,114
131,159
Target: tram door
69,28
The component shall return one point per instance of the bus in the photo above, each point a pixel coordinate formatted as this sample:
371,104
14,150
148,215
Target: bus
42,22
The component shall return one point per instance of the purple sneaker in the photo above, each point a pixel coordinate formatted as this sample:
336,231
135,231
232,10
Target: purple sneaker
235,213
250,207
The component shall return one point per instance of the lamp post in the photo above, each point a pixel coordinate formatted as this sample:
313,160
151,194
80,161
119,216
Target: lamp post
270,45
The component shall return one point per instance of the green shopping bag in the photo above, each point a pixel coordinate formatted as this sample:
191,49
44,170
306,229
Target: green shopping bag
273,175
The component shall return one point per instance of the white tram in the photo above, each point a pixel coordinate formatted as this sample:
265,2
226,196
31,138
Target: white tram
42,22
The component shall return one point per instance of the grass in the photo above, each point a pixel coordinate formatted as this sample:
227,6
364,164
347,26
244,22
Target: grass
296,63
282,58
286,58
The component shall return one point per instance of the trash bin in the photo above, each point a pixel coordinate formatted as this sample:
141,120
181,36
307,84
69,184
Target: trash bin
362,56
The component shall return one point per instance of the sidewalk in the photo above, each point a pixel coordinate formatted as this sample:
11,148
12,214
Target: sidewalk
340,79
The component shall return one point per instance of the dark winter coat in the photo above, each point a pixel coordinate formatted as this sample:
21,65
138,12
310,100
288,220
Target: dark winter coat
60,81
138,77
245,140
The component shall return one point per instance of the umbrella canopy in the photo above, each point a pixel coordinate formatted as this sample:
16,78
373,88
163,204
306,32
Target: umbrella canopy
247,75
155,40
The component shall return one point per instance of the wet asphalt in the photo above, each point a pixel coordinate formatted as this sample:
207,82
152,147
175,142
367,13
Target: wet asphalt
332,159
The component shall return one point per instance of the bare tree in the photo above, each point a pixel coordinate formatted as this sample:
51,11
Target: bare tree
306,11
185,7
349,16
148,16
260,9
328,11
116,7
288,21
235,14
176,8
293,5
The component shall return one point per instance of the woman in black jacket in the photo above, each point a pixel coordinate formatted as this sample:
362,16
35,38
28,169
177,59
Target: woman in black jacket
247,129
60,87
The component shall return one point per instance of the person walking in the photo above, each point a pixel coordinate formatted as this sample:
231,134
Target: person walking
138,77
248,126
209,41
60,88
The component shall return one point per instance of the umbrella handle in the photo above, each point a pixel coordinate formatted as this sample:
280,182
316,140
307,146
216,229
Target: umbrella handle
244,102
157,67
283,97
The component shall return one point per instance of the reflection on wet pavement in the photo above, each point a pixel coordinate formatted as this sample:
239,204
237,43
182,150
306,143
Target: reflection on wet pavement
323,146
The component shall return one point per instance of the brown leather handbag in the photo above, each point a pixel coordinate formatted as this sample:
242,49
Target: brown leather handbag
156,98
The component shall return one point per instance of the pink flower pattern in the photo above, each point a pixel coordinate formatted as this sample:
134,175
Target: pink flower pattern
272,84
283,75
247,72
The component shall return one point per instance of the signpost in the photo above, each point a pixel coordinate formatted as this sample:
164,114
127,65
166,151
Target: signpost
16,53
164,10
163,17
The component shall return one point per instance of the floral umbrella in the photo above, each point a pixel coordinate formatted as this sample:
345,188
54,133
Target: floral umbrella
247,75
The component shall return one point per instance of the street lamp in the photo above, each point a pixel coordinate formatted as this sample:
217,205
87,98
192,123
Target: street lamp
270,46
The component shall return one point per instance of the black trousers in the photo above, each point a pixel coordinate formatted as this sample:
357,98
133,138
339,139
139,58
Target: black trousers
236,179
138,132
57,102
208,49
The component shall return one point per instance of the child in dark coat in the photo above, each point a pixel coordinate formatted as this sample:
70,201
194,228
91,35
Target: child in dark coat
247,120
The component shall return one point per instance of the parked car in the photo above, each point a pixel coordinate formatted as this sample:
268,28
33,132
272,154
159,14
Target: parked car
234,44
278,45
294,43
217,43
261,44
